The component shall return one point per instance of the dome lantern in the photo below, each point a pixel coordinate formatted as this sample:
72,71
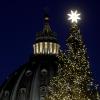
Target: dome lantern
46,42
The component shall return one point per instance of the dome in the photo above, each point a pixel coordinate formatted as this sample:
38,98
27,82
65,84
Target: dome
30,81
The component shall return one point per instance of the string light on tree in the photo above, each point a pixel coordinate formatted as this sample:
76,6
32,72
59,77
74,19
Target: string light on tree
74,16
73,80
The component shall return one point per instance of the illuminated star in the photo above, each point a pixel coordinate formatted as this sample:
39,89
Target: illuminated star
74,16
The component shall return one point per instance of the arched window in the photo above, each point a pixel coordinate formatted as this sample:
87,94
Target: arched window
22,94
43,91
6,95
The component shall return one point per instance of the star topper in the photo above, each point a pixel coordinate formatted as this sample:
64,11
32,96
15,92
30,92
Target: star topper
74,16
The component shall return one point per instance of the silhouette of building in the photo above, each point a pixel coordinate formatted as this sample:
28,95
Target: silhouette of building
30,81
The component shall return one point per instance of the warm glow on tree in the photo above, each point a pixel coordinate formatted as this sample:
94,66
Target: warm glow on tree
73,80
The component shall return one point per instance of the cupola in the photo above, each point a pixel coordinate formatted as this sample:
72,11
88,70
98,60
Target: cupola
46,42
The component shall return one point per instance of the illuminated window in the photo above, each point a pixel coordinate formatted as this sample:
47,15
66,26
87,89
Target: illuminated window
48,44
46,47
54,48
37,48
50,47
41,47
57,48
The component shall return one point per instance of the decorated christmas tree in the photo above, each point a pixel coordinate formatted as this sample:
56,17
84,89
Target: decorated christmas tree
74,79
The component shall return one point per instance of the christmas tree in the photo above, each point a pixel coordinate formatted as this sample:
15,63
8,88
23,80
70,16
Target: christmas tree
73,80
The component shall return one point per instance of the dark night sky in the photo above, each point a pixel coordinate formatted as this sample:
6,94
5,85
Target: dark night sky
21,19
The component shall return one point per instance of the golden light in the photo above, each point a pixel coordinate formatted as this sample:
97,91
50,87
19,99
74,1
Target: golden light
74,16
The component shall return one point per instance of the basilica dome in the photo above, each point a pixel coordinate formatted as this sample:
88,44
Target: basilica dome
30,81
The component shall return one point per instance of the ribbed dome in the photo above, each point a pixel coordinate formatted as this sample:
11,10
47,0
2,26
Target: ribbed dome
30,81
